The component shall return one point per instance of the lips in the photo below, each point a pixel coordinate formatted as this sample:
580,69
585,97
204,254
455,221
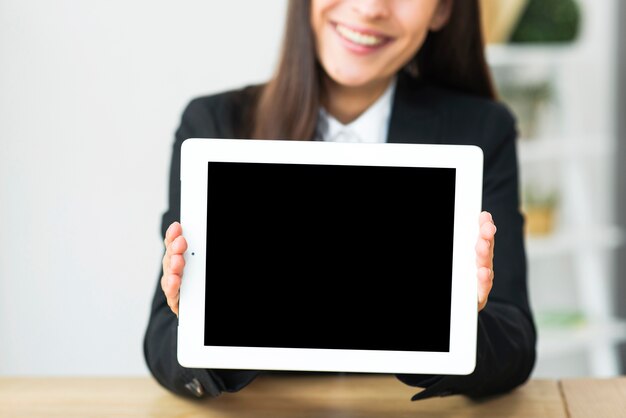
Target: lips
366,39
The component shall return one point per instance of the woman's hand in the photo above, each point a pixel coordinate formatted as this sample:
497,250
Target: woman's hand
173,264
484,258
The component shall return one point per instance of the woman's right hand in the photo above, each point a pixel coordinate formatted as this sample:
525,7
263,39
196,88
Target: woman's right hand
173,264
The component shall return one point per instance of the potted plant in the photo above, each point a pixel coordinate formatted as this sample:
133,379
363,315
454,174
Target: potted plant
540,210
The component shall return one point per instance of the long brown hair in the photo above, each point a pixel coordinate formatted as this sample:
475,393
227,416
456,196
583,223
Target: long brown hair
288,105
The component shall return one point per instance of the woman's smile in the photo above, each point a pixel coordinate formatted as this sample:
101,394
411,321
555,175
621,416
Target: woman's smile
360,40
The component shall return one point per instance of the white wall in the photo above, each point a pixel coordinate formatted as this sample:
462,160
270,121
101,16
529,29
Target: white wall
90,95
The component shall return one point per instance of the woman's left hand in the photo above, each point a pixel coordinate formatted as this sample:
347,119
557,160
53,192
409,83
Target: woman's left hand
484,258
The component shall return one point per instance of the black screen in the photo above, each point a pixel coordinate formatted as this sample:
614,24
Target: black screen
324,256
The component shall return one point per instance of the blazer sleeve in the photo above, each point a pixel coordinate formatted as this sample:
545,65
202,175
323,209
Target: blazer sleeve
506,331
160,340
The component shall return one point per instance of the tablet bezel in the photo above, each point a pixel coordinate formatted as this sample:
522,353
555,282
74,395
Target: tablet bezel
468,162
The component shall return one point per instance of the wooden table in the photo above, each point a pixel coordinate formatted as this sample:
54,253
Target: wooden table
308,396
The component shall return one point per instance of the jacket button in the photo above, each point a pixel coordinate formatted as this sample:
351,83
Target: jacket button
195,387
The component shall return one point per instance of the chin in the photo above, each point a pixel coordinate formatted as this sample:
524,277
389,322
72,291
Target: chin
353,78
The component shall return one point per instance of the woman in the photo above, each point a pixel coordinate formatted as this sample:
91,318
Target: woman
374,71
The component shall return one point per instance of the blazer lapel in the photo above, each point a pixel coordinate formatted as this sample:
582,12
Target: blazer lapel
414,118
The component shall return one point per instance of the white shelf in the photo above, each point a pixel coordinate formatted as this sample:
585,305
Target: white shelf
561,149
556,341
531,55
561,243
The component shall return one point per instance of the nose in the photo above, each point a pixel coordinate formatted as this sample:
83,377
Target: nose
371,9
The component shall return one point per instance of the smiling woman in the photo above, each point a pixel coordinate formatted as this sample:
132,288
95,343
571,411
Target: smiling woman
410,71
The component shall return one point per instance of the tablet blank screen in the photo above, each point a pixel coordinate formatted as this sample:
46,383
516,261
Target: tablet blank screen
323,256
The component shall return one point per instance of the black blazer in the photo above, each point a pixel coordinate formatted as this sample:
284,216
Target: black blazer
421,113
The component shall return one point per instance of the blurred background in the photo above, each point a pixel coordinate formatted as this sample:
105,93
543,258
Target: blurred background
92,92
556,64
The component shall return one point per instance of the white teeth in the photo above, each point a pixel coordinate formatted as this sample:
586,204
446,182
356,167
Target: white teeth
358,37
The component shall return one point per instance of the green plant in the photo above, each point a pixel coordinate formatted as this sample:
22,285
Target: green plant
526,101
548,21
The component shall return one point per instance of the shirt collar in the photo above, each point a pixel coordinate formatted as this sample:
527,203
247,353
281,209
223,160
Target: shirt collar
371,126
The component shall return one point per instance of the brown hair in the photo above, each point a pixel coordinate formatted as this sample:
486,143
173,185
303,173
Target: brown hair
288,105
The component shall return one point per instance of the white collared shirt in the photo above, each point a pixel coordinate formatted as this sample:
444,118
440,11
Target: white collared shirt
370,127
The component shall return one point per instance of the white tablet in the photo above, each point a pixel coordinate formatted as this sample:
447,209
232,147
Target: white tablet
319,256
